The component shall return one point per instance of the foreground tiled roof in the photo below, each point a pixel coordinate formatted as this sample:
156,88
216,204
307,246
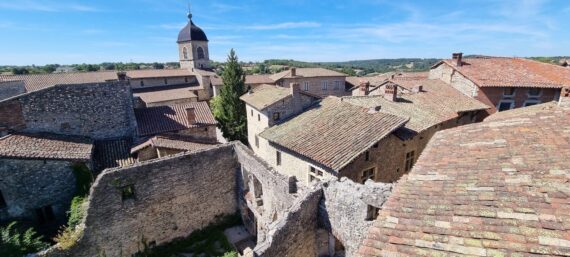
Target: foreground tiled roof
161,119
497,188
46,146
140,74
333,132
307,73
39,81
112,154
438,102
265,95
258,79
161,95
512,72
172,142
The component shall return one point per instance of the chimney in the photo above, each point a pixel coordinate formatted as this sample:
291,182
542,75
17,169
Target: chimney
391,92
457,59
191,115
564,97
417,89
122,76
293,72
364,87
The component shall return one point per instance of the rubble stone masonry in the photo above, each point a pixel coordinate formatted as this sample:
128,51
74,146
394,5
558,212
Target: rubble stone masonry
11,88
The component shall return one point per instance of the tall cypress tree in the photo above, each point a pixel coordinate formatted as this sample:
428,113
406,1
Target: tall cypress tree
228,109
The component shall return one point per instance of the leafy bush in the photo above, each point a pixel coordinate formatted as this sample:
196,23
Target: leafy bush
14,243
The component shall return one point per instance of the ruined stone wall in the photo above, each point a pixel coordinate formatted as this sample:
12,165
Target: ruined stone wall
11,88
99,111
344,210
448,75
30,184
173,197
295,233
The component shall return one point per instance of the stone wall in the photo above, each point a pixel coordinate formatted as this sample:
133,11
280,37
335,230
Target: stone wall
450,76
11,88
99,111
344,210
172,197
30,184
161,82
315,85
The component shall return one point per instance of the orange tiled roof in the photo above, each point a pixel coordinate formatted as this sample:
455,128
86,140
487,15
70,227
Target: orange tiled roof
512,72
46,146
172,142
157,95
112,154
496,188
34,82
307,73
258,79
140,74
162,119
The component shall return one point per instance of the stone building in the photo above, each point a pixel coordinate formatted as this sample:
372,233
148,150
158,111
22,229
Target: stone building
487,194
37,180
253,81
193,47
316,81
503,83
11,88
166,145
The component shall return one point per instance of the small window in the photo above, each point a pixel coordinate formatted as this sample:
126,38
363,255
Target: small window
410,157
367,156
505,105
185,53
2,201
251,113
186,79
276,116
375,145
128,192
258,117
372,213
534,92
45,215
306,86
337,85
509,92
201,54
142,83
278,158
315,174
368,174
325,85
166,81
257,141
531,102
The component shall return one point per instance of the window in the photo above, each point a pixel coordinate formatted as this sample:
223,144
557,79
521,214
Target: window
185,53
505,105
367,156
410,160
2,201
142,83
509,92
258,117
306,86
45,215
186,79
128,192
375,145
166,81
200,52
276,116
257,141
315,174
325,85
372,213
278,158
534,92
531,102
251,113
337,85
368,174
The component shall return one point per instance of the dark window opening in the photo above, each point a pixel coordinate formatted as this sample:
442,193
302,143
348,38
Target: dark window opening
410,156
375,145
367,174
258,117
186,79
45,215
251,113
534,92
257,141
278,158
166,81
372,213
201,54
3,203
276,116
367,156
128,192
503,106
510,91
142,83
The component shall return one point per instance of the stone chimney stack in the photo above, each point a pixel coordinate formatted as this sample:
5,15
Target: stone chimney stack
457,59
374,109
191,115
295,89
391,92
297,103
364,87
122,76
293,72
565,97
418,89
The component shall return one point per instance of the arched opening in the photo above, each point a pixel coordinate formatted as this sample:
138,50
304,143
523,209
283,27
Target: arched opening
200,53
185,53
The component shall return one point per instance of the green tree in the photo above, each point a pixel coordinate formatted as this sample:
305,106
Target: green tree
228,109
20,71
158,66
15,243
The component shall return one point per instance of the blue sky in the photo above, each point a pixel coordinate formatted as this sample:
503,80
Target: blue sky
75,31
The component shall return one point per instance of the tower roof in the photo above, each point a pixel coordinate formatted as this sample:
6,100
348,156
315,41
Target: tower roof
191,32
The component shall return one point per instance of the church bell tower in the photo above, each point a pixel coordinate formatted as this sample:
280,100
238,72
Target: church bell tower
193,47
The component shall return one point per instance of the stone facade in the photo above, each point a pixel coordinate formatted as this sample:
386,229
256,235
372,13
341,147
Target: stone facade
98,111
139,83
192,59
335,85
27,185
11,88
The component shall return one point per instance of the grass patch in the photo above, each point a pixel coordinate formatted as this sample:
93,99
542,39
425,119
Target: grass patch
209,241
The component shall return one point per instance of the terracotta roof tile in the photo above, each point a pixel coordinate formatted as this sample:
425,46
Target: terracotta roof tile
166,94
45,146
172,142
35,82
258,79
162,119
140,74
333,132
512,72
496,188
307,73
112,154
265,95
